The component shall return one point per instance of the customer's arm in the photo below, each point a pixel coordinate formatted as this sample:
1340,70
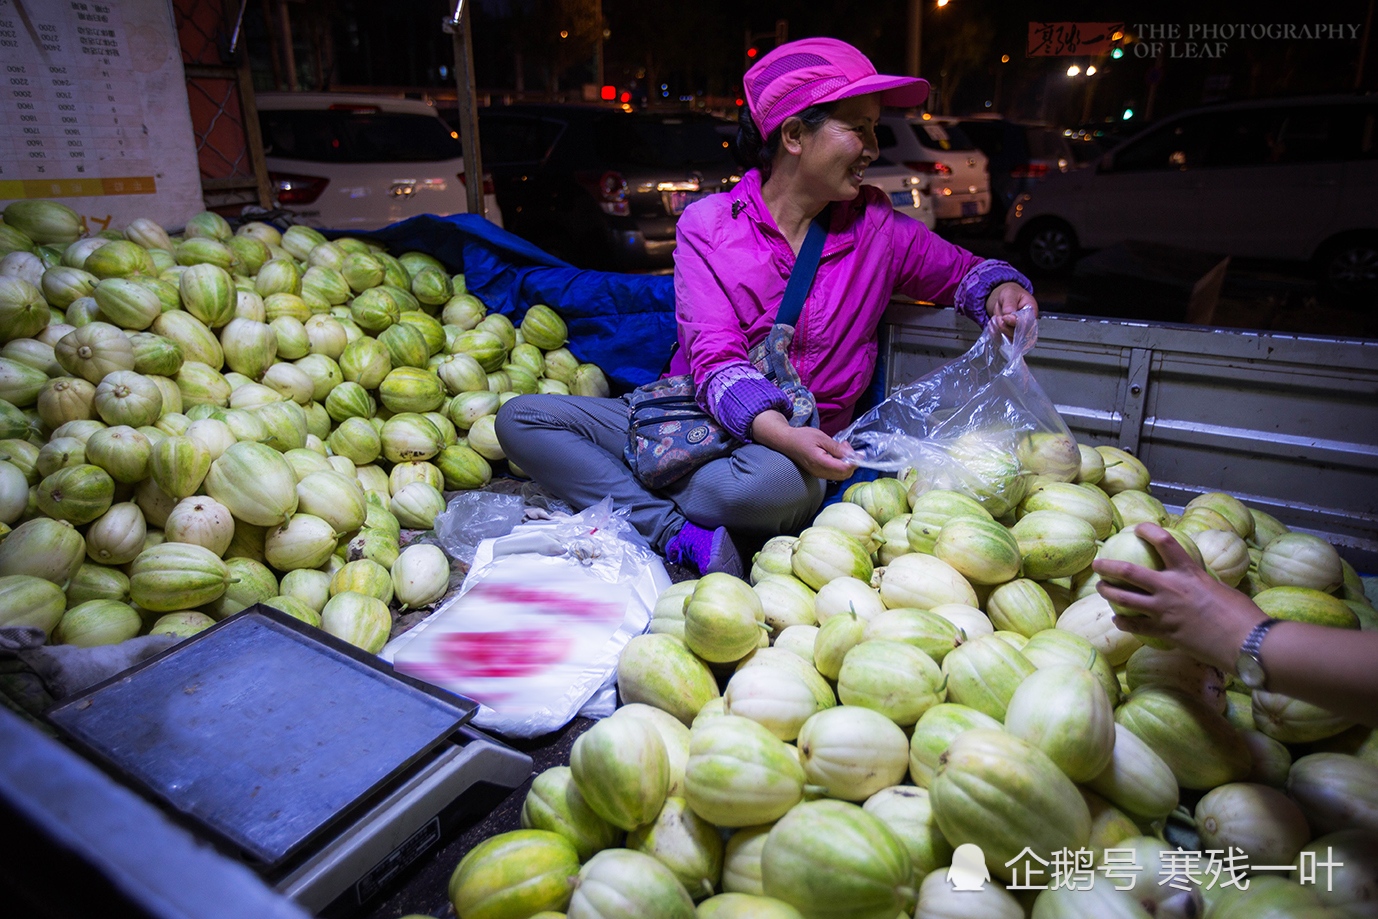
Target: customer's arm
1336,669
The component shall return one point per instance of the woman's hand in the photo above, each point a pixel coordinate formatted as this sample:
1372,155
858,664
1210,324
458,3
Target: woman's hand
812,450
1182,603
1006,300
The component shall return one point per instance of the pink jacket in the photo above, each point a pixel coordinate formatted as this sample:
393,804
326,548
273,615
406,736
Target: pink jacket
731,267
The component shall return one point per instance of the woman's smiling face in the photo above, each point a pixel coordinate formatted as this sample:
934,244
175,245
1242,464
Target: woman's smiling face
835,156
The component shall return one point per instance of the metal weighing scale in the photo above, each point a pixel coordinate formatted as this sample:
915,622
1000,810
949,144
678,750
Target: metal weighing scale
310,760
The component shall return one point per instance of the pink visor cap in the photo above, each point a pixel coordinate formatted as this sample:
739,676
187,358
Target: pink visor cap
811,71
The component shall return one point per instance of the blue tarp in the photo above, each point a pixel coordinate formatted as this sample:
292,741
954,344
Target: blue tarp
624,323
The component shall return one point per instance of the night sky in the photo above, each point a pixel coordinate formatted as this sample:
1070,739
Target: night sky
699,49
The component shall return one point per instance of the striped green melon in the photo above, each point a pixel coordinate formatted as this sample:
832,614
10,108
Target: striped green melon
1201,748
659,670
831,858
1004,794
621,768
1021,606
825,553
930,633
1303,604
98,622
983,551
518,873
176,576
740,774
555,804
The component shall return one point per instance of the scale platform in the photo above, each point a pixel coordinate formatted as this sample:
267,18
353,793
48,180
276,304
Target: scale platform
310,760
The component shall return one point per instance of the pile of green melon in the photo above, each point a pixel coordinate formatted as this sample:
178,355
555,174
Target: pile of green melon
191,425
924,670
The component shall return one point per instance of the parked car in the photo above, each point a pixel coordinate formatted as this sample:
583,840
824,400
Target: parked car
1019,155
938,148
1090,140
353,161
1289,179
598,186
909,192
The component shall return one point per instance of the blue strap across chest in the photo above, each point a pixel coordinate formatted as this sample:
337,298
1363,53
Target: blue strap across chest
805,266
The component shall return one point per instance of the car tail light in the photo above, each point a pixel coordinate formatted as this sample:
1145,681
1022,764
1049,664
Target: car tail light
487,183
929,167
297,189
612,193
1029,171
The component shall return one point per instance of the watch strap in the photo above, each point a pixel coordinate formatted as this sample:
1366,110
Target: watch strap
1254,640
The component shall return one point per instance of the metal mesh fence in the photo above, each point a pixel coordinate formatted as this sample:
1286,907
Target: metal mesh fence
220,95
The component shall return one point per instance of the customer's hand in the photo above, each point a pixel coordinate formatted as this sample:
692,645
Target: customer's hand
812,450
1182,603
1326,666
1006,300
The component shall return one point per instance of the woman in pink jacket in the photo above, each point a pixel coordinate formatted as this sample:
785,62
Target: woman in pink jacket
808,134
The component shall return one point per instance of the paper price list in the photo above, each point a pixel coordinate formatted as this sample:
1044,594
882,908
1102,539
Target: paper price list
69,100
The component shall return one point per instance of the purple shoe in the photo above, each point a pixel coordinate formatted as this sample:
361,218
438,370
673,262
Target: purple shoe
707,550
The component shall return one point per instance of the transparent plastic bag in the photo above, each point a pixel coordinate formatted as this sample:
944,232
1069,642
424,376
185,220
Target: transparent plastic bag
980,425
535,631
473,516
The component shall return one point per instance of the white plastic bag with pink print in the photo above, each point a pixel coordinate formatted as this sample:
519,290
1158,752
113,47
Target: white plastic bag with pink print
536,629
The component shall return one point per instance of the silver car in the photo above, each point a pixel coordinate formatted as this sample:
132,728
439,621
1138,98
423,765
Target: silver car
1287,179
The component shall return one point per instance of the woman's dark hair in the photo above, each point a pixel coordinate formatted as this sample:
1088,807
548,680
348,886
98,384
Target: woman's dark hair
754,152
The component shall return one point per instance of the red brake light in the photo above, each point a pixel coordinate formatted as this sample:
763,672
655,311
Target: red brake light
609,191
1029,171
612,186
487,183
929,167
297,189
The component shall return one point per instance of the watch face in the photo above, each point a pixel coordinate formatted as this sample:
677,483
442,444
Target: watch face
1250,671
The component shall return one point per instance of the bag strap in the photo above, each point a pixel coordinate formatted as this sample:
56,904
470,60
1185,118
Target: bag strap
805,267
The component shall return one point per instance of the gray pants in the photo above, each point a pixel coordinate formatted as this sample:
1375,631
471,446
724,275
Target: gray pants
572,447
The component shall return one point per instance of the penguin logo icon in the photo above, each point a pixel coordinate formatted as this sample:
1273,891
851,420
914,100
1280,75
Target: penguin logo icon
968,871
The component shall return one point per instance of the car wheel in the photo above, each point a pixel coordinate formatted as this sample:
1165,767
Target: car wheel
1049,246
1349,267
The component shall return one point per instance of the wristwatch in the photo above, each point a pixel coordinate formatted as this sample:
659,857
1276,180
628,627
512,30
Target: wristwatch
1249,665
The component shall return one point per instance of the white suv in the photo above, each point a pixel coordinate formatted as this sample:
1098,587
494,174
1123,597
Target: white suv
353,161
937,148
909,192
